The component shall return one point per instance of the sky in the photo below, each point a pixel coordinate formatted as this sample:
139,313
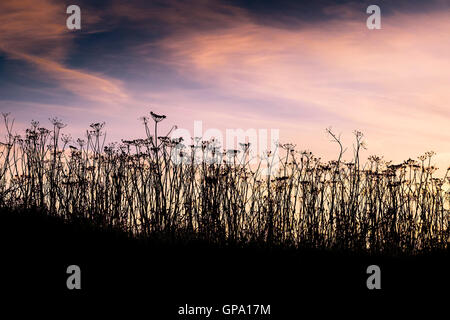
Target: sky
296,66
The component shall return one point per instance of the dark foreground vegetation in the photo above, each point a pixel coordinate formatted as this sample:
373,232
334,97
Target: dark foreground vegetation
167,224
155,275
163,186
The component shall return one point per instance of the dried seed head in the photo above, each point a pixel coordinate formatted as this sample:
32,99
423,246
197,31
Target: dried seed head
156,117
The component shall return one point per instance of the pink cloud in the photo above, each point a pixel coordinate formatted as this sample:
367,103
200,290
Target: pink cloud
37,33
391,83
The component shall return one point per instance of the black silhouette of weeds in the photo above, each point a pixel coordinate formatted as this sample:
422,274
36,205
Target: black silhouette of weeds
153,186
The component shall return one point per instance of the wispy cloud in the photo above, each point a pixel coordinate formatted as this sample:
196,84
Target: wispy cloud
392,83
37,34
299,66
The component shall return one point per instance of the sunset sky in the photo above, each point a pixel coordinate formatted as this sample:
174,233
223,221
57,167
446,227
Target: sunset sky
297,66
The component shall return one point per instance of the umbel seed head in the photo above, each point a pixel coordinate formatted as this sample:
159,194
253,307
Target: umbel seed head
157,117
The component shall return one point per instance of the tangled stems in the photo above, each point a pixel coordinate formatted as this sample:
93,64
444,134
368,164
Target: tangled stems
159,185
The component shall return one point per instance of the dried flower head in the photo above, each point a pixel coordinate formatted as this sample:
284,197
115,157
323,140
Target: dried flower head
156,117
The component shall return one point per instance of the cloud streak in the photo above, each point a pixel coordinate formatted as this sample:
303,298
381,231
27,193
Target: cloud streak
297,66
33,33
392,83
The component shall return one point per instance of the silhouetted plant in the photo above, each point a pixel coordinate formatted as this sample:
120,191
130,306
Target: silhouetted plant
159,185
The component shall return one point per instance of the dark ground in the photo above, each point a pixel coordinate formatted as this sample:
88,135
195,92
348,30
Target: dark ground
158,277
